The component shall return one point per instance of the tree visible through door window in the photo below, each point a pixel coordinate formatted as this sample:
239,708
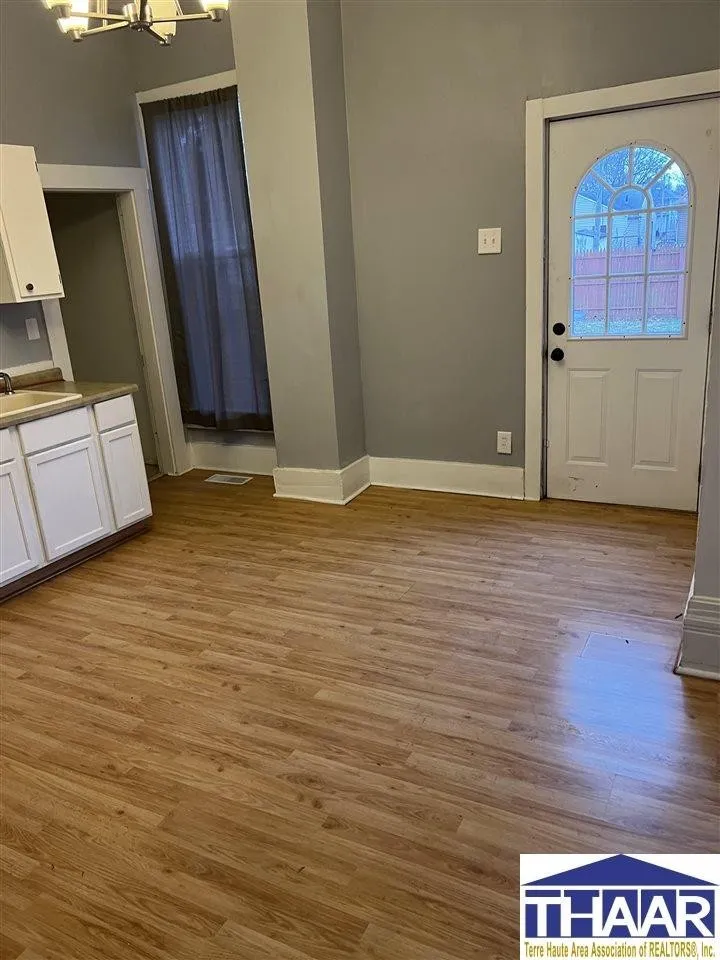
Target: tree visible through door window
630,254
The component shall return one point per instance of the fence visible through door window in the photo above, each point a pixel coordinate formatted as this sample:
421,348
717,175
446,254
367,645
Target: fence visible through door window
630,246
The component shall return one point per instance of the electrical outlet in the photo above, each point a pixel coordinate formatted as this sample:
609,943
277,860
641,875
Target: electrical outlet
33,331
489,240
504,441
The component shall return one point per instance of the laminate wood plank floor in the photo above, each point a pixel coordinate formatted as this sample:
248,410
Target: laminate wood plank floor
274,730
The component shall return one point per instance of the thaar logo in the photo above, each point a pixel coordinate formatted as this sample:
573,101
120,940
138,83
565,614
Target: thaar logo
619,897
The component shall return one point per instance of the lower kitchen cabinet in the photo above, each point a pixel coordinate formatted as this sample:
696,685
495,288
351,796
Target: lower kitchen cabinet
71,496
67,482
20,546
125,468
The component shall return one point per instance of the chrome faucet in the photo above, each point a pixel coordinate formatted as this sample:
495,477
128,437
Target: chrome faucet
8,382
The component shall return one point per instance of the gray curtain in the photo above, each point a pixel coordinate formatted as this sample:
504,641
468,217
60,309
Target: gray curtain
197,169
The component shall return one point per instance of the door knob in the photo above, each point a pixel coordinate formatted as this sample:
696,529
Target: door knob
559,328
557,354
29,287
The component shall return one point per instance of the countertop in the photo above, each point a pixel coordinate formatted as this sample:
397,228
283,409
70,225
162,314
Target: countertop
90,392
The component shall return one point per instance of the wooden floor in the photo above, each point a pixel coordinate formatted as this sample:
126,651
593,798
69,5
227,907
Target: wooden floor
272,730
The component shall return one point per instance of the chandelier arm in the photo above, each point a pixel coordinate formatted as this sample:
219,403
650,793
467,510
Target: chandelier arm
106,29
160,37
182,18
108,16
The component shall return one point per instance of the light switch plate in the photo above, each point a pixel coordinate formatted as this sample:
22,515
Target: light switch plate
504,441
33,331
489,240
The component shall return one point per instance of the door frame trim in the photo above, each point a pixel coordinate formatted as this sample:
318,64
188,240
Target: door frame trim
132,195
538,114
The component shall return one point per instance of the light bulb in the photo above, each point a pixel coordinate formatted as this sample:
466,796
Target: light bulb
165,8
61,8
210,5
77,22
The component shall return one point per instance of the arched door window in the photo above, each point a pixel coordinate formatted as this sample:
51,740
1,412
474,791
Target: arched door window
630,250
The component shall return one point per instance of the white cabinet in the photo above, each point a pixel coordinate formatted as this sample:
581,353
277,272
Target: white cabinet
28,263
20,547
126,475
71,496
65,484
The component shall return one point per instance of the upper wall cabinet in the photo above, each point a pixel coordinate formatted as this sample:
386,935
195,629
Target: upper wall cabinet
28,264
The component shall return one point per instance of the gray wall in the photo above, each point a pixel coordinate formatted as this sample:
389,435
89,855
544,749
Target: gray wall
15,348
436,94
97,309
71,101
198,50
272,53
333,164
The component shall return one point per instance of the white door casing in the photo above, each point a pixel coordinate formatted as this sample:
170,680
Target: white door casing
66,525
625,412
20,547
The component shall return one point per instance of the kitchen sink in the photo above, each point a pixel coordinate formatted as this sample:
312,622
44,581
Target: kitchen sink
32,399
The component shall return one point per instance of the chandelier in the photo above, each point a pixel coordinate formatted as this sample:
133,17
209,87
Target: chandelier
159,18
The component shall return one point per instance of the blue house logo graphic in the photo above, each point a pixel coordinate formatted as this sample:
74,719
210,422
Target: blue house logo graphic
619,897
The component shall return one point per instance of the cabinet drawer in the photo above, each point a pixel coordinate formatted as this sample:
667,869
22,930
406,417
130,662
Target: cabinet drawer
9,446
115,413
52,431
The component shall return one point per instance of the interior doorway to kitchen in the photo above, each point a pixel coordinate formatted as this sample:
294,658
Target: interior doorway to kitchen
98,312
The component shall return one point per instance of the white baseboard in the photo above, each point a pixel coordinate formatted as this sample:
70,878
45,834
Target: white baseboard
700,648
209,454
480,479
322,486
341,486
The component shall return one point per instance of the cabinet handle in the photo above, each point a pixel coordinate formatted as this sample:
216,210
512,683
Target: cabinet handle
29,287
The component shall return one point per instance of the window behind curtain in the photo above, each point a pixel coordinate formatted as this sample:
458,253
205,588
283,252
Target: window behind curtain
197,169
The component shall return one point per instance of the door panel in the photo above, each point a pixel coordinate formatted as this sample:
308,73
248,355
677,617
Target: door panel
633,206
655,421
587,415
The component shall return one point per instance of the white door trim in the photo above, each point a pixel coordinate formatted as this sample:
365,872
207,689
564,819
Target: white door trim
52,312
186,88
538,115
130,184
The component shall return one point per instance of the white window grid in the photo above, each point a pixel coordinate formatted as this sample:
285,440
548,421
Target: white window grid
648,211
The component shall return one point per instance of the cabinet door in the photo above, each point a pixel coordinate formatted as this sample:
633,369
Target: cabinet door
30,270
71,496
20,547
126,474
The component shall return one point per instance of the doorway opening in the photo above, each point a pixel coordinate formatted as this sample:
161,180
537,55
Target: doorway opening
98,312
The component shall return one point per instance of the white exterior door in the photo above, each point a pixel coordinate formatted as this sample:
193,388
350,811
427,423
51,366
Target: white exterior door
633,210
